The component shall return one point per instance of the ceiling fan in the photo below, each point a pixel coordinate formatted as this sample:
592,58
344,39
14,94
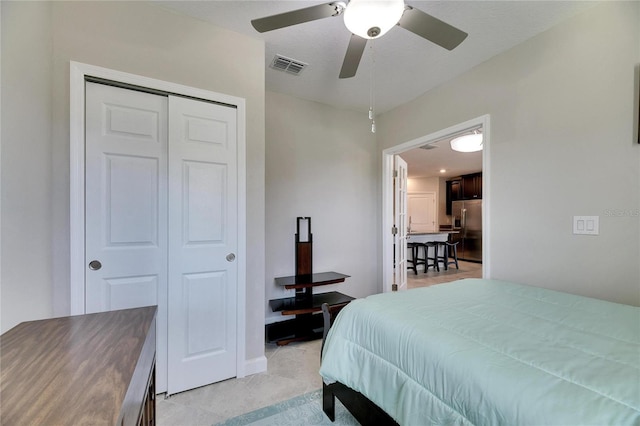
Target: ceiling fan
368,19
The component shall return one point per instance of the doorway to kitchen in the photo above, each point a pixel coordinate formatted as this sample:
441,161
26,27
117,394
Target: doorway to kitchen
479,125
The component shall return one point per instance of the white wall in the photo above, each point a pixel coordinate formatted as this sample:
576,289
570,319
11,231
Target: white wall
26,280
40,39
321,162
422,184
562,114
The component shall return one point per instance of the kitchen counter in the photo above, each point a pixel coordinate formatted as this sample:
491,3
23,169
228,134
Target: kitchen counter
425,237
432,233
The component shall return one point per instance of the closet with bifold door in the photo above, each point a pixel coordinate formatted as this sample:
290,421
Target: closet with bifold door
161,206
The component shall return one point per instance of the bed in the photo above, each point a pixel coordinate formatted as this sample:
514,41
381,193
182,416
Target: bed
485,352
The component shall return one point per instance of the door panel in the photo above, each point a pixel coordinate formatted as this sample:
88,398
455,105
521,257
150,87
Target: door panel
131,187
204,209
401,222
204,293
126,205
422,212
202,243
131,292
207,130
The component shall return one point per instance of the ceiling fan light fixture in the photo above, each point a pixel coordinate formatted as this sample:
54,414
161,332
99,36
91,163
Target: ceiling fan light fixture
467,143
371,19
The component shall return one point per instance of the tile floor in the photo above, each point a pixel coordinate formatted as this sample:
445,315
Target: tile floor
422,279
292,370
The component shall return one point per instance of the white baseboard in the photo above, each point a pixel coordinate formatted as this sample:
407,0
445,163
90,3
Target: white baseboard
255,366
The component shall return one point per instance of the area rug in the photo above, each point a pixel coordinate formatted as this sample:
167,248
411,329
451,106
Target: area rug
302,410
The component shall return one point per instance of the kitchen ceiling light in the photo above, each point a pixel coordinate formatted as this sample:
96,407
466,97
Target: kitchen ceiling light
467,143
372,18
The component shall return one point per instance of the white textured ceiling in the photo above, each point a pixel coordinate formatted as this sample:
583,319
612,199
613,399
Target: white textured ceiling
422,163
406,65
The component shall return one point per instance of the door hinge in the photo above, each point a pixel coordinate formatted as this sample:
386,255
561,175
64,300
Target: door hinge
394,287
395,173
394,230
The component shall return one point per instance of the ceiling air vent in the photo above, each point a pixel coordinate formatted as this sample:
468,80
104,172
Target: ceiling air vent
429,146
292,66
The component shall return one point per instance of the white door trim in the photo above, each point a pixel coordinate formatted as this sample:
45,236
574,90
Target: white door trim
78,73
387,193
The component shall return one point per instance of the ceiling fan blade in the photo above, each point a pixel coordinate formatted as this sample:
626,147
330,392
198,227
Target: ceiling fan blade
298,16
353,56
431,28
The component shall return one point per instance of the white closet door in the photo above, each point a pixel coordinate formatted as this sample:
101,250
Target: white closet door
126,205
202,243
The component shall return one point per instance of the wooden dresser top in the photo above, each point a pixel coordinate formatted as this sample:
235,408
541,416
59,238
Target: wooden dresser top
71,370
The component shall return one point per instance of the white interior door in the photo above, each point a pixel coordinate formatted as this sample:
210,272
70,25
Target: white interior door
126,205
161,225
202,243
400,220
422,212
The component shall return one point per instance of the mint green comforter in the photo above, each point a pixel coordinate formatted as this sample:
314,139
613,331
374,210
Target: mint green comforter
487,352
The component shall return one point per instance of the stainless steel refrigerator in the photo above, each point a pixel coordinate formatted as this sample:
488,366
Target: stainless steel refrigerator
467,221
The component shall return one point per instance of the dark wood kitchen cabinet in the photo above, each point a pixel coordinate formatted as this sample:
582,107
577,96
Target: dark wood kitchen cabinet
465,187
454,193
472,186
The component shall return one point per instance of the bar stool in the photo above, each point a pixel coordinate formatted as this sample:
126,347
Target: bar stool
452,248
441,254
415,259
448,249
434,260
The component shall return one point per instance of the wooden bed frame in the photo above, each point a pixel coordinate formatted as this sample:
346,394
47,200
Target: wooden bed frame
361,407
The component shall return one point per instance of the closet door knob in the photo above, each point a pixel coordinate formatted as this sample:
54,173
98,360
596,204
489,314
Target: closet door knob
94,265
231,257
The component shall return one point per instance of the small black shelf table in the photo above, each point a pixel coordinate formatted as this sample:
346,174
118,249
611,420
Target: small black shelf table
305,303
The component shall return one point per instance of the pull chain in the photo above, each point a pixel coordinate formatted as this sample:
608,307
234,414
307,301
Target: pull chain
372,114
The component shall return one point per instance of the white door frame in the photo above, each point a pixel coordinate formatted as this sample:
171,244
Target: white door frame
78,73
387,193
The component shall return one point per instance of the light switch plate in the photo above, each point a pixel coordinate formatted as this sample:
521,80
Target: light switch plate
586,225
